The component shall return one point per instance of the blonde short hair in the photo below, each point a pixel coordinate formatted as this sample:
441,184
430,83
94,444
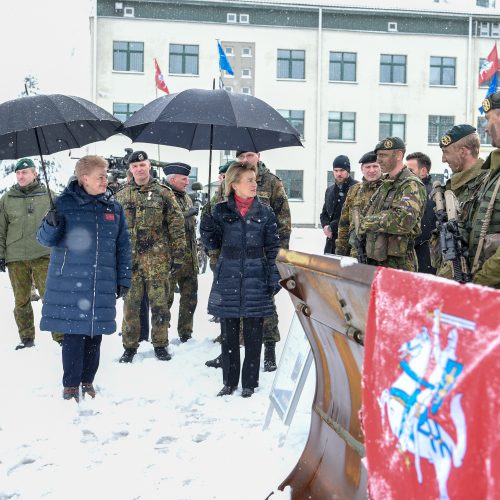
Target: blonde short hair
86,164
471,142
234,173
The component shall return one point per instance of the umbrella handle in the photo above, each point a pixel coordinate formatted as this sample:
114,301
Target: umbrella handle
210,166
51,201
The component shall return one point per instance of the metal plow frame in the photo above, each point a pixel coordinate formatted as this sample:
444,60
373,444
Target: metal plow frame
331,296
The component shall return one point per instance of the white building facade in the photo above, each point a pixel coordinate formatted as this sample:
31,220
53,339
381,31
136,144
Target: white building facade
344,76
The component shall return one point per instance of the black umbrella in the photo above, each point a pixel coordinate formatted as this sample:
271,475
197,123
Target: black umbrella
46,124
198,119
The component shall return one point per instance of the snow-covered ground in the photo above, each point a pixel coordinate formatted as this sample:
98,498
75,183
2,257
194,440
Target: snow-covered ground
155,429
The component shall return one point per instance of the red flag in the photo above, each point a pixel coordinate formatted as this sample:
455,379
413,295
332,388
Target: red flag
160,81
431,388
490,66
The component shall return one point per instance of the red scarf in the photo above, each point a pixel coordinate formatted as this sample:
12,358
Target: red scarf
243,204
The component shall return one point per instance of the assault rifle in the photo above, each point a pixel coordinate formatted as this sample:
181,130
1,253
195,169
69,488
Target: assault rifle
453,248
359,242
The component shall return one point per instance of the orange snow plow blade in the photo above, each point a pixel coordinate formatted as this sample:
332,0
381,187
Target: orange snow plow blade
331,296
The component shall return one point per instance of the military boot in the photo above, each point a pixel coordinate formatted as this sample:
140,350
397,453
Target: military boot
269,357
25,343
215,363
162,353
128,355
71,393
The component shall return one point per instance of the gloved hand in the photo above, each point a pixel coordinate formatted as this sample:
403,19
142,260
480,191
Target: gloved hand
194,210
121,291
2,265
175,267
52,217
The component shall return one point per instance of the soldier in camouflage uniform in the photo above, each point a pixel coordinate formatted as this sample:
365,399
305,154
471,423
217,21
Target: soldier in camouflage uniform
392,219
187,277
356,201
271,192
156,228
22,209
460,150
486,205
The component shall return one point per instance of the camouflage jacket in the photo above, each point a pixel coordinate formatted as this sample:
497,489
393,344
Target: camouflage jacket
392,221
357,198
21,213
155,223
271,192
489,272
185,203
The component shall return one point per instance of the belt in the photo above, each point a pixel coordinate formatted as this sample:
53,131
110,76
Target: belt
237,252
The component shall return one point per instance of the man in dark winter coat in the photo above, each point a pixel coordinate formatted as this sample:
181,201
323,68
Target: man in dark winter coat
420,165
334,200
22,209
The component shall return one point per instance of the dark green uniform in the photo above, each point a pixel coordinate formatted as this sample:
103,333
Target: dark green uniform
392,221
187,276
357,199
156,228
21,212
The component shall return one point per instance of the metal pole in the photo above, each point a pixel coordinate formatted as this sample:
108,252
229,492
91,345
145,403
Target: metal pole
44,170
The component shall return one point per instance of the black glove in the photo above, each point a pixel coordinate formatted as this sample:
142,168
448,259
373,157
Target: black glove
52,217
175,267
194,210
121,291
2,265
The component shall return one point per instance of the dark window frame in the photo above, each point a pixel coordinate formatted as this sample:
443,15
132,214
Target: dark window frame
292,120
441,123
392,65
287,183
391,122
184,57
343,66
442,67
128,112
129,51
291,64
340,121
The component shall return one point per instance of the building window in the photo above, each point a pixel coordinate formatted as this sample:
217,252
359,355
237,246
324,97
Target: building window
231,17
128,56
123,110
229,51
391,125
291,64
228,88
486,3
183,59
225,74
341,126
244,18
246,52
295,118
246,90
343,66
438,126
443,70
246,73
293,181
128,12
481,130
495,30
392,68
486,84
392,26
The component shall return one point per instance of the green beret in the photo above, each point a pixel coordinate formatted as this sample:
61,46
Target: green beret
390,143
24,163
455,134
224,168
491,102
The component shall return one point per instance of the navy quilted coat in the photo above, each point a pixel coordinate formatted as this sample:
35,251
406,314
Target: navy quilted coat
90,257
246,275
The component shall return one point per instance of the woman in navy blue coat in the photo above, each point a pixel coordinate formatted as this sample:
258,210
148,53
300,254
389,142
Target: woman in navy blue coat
246,276
90,267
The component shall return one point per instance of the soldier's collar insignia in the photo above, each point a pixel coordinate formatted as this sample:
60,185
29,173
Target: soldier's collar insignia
445,140
388,144
486,105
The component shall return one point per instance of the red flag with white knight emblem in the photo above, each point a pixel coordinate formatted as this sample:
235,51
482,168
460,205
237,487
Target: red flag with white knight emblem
489,66
160,81
431,388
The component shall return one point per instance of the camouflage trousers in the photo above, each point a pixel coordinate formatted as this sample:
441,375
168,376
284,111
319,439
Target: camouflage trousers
157,290
22,274
271,332
187,279
407,263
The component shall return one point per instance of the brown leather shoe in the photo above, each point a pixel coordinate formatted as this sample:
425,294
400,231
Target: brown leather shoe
71,393
88,389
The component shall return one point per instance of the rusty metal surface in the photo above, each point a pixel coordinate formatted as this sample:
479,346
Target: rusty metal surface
331,298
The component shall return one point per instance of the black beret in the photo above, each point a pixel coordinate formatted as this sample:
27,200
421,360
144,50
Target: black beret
240,151
342,161
137,156
177,168
455,134
390,143
223,168
370,157
24,163
492,102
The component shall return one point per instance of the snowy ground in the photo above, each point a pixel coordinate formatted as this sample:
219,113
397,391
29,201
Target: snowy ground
155,429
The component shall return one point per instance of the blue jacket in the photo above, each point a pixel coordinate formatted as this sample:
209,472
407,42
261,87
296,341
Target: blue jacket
246,276
90,257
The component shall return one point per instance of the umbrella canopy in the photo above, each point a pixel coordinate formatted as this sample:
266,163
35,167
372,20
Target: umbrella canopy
46,124
198,119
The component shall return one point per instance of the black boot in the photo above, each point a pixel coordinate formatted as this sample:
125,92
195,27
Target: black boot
162,354
25,343
128,355
215,363
227,390
269,357
246,392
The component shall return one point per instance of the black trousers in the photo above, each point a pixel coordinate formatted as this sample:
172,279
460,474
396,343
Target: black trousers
252,334
80,358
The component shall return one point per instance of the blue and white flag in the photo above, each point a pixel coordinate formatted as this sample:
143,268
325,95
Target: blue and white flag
491,89
223,61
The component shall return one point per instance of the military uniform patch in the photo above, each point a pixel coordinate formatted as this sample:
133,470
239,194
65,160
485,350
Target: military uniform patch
388,144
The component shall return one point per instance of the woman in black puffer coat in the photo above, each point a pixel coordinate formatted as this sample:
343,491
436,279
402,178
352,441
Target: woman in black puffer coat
246,276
